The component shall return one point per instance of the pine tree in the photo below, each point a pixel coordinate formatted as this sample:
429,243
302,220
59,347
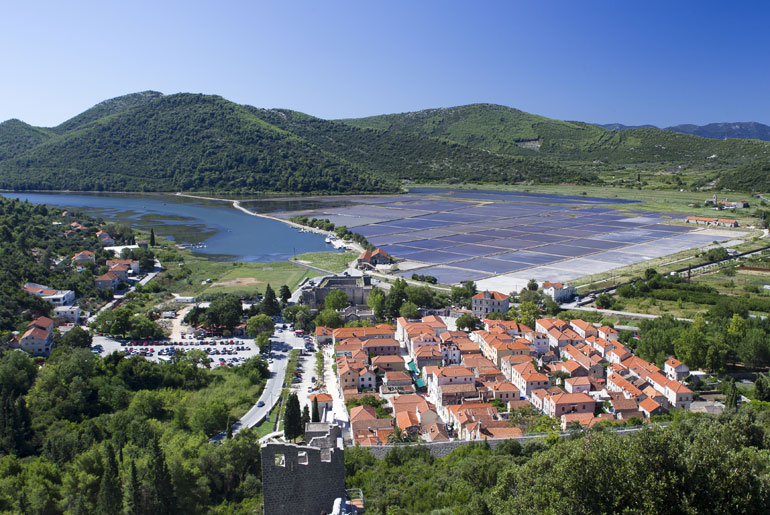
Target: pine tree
292,418
269,305
316,413
109,498
131,501
160,493
305,418
285,293
762,388
152,237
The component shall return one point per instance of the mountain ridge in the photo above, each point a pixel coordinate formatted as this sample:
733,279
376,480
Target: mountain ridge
717,130
149,141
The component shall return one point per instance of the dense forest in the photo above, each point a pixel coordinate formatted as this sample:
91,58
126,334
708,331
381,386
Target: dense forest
181,142
90,435
151,142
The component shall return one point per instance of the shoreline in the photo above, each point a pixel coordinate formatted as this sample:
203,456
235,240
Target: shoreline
237,205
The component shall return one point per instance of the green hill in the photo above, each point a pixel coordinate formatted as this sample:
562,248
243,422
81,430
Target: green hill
186,142
402,155
16,137
108,107
750,177
181,142
509,131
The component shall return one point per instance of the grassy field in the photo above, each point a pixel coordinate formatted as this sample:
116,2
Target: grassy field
334,262
207,276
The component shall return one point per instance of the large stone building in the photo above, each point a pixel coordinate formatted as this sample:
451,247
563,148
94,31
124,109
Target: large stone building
357,289
304,479
486,302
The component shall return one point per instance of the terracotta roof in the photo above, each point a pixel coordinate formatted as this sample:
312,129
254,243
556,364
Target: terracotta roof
42,322
649,405
405,419
322,397
457,388
362,413
454,371
36,332
571,398
381,342
322,331
673,362
578,381
397,376
428,351
496,295
412,402
352,332
377,360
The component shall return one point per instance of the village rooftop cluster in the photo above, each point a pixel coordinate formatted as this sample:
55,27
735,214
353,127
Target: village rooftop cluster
438,384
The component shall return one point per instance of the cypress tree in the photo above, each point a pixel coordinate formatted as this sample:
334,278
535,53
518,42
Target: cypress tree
160,493
731,396
109,498
316,413
305,418
269,305
131,499
152,237
292,418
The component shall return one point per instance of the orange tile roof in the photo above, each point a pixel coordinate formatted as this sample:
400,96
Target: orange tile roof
362,413
496,295
322,397
42,322
36,332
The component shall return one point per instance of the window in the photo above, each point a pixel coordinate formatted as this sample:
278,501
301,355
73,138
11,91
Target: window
280,460
302,457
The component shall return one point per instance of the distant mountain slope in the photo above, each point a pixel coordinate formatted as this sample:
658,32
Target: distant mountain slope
621,127
742,130
415,156
16,137
505,130
737,130
183,142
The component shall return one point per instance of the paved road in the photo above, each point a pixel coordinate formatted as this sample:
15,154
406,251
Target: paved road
272,391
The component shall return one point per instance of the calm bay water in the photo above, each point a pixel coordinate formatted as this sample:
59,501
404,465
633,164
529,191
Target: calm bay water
227,233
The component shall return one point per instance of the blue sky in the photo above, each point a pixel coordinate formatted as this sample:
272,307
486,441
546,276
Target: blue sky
659,62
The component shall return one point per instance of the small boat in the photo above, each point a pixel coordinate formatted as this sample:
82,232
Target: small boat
328,240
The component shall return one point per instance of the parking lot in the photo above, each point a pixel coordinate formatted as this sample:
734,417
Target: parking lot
221,351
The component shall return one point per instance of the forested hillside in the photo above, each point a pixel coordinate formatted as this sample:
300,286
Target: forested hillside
509,131
750,177
30,246
188,142
416,156
16,137
182,142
